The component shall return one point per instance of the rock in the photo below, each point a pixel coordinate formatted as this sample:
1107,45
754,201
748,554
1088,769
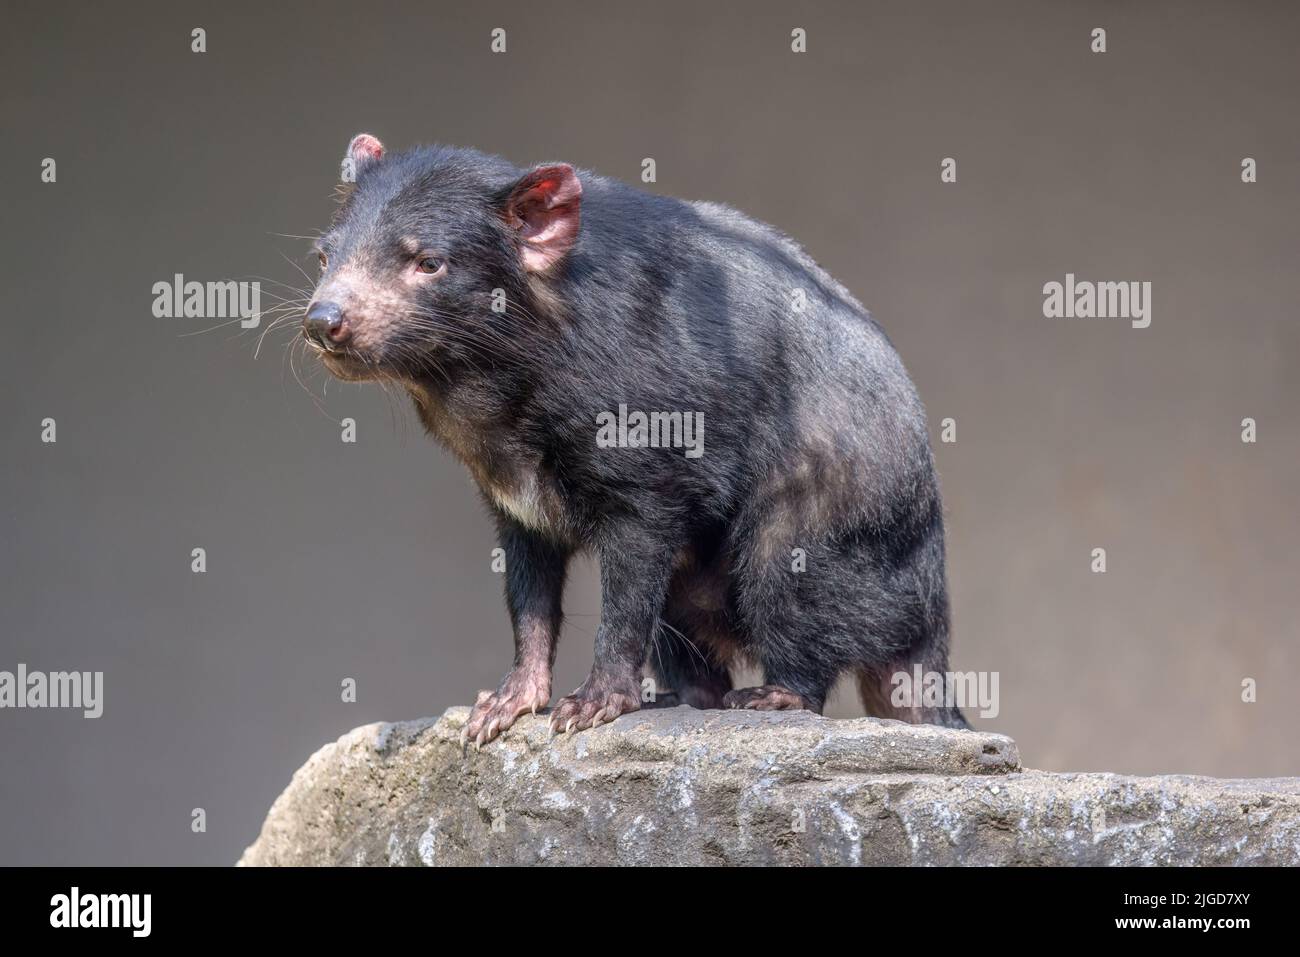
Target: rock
679,786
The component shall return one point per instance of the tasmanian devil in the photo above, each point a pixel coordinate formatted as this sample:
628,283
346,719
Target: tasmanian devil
671,385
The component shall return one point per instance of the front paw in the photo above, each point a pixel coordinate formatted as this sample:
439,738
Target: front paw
593,704
524,691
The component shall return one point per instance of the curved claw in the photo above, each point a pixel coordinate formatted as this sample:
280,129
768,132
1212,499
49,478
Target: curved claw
583,710
496,711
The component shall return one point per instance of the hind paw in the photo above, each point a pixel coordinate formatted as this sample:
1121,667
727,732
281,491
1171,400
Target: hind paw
765,698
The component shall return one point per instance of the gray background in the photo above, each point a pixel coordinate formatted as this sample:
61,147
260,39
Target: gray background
371,560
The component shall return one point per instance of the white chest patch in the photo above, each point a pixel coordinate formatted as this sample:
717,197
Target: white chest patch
523,503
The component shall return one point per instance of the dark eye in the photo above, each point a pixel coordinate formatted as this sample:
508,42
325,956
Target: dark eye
324,260
428,264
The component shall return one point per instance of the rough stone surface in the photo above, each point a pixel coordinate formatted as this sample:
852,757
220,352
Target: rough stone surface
678,786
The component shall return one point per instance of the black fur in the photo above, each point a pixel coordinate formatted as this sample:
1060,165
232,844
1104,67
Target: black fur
814,436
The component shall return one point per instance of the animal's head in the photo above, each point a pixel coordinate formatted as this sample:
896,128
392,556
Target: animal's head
428,257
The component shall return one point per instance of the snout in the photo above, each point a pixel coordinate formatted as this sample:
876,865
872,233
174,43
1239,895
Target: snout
326,325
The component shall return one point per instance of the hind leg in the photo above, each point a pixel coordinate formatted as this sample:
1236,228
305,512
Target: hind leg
888,685
889,691
840,607
785,635
801,625
802,687
798,667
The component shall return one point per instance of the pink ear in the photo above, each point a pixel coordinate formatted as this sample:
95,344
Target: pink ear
544,206
364,149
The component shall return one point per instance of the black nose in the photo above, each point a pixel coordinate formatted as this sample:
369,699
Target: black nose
324,324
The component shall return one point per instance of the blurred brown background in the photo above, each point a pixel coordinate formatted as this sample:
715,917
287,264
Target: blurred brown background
371,561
